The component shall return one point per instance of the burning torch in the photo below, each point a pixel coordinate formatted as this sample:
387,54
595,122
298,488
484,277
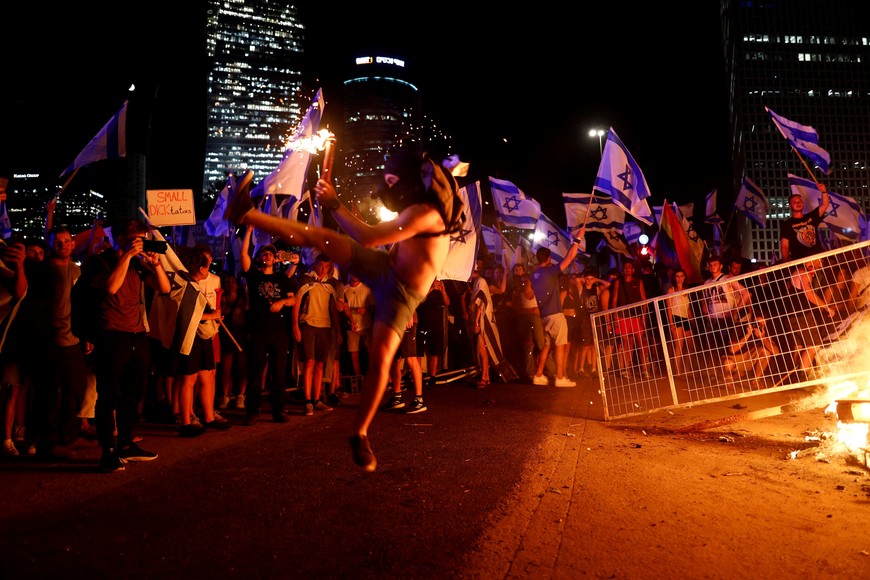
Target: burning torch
328,157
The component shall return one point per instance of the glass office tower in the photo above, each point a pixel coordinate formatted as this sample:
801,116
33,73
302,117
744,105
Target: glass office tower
254,81
809,61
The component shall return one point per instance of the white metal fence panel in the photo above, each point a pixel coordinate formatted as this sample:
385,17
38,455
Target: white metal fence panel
780,327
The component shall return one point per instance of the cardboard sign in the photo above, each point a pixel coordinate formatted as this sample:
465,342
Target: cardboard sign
171,207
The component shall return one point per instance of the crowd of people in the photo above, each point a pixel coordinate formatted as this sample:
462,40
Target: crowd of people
293,330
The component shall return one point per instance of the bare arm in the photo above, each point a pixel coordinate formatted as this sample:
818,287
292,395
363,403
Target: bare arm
413,220
245,253
825,201
783,249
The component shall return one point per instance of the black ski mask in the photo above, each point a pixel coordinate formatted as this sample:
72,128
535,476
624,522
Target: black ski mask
406,164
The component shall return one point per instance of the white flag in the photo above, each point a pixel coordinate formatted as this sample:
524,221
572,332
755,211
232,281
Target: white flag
512,206
752,202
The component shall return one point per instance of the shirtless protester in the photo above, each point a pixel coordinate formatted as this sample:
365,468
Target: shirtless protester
425,196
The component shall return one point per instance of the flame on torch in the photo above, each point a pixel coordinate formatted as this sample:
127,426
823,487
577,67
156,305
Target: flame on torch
324,141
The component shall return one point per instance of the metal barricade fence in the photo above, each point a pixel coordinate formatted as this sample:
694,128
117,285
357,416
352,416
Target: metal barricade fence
767,333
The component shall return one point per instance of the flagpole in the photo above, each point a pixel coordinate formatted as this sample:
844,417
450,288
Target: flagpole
803,162
69,179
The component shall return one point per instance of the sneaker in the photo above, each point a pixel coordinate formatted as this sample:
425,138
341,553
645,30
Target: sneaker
190,430
18,433
250,420
362,453
540,380
110,462
334,400
136,453
223,402
219,418
416,406
565,382
31,449
53,453
321,406
194,420
309,409
9,449
239,200
240,402
395,402
217,425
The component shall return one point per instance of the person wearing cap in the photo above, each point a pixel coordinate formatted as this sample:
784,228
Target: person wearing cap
799,234
270,292
425,196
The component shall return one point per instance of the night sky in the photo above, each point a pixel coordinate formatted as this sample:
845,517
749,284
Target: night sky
517,89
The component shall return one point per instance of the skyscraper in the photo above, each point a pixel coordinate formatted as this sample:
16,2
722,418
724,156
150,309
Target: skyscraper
255,52
809,61
381,106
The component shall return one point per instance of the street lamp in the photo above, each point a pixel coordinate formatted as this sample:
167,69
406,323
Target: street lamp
598,133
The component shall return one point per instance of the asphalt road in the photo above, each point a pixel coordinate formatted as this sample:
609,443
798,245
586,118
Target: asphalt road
479,486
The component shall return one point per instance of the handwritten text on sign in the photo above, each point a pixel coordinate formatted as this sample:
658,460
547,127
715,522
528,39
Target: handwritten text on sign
171,207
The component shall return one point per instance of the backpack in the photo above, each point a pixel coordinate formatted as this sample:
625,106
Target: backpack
85,301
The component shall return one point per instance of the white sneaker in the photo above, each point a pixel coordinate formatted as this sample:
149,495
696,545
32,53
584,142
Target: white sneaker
540,380
565,382
8,448
240,402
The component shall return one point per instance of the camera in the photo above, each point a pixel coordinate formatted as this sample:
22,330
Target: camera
154,246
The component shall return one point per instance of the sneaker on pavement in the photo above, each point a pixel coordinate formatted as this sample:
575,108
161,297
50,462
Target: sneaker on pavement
223,402
9,449
540,380
217,425
321,406
395,403
362,453
240,402
110,462
239,199
416,406
309,409
136,453
565,382
189,430
219,418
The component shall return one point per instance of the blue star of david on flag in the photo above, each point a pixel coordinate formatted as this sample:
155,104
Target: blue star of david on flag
620,177
513,207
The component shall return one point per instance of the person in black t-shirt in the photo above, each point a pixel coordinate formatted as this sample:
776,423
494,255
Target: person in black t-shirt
799,234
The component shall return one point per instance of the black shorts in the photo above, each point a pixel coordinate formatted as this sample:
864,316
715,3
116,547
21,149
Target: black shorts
408,346
201,357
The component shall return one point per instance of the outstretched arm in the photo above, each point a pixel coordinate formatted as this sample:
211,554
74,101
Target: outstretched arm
413,220
245,253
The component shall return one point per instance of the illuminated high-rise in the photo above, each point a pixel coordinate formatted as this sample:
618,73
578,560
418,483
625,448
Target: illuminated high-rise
809,61
381,107
254,81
